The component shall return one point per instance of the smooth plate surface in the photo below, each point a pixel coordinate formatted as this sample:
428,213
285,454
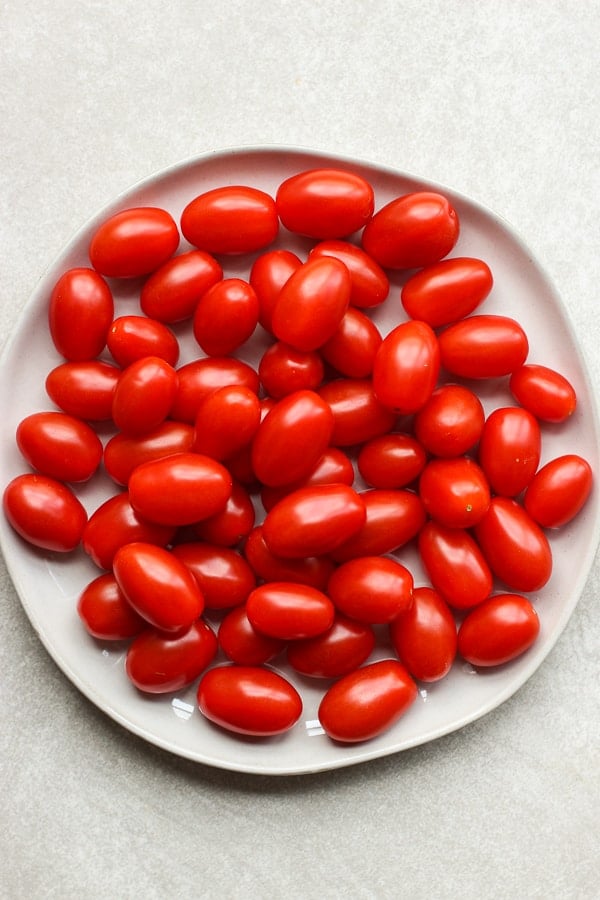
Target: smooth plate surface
49,584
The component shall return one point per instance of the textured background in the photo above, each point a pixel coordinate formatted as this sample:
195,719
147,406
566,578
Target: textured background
499,101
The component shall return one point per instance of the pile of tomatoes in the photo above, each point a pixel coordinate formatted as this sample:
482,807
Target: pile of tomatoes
274,498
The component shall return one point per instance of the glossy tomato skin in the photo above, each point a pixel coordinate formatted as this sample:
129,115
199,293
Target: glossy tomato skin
289,611
367,702
547,394
483,346
447,291
451,421
371,589
509,449
44,512
160,664
412,231
224,576
370,284
230,220
515,547
406,367
269,273
144,395
227,421
79,315
455,492
84,389
341,649
225,316
393,518
283,369
115,523
455,564
502,628
424,637
131,338
133,242
122,453
559,490
201,377
325,203
60,446
311,570
351,349
233,523
358,416
249,700
171,293
243,644
333,467
391,460
105,612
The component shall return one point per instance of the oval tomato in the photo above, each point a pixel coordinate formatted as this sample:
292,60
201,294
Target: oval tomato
391,460
105,612
451,421
171,293
455,564
115,523
131,338
159,664
283,369
227,420
84,389
510,449
225,316
339,650
455,492
406,367
133,242
502,628
44,512
325,203
371,589
370,284
447,291
334,467
79,315
144,395
232,524
243,644
311,570
559,490
288,611
393,518
199,378
483,346
424,637
230,220
224,576
358,416
352,347
268,274
123,453
547,394
60,446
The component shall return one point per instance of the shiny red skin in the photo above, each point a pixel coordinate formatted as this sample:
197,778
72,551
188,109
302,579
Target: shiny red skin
159,664
509,449
406,367
224,576
393,518
200,377
339,650
325,203
269,272
243,644
371,589
424,637
455,564
80,311
447,291
171,293
60,446
391,461
357,413
225,317
547,394
311,570
483,346
455,492
370,284
289,611
451,421
352,348
367,702
227,421
84,389
123,453
249,700
283,369
115,523
230,220
559,490
334,467
44,512
502,628
144,395
131,338
233,523
105,612
133,242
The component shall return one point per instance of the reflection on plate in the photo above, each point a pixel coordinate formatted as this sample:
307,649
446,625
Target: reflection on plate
49,584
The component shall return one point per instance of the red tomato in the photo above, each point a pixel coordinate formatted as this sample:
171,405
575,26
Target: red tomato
515,547
358,415
312,303
544,392
225,316
334,467
131,338
84,389
510,449
451,421
179,489
325,203
158,586
200,377
80,312
243,644
455,492
133,242
230,220
224,576
311,570
391,460
268,274
559,490
160,664
313,521
291,438
336,652
45,512
393,518
447,291
351,349
424,637
249,700
406,367
115,523
123,453
105,612
227,420
412,231
283,369
144,395
288,611
233,523
455,564
370,284
61,446
483,347
171,293
367,702
371,589
500,629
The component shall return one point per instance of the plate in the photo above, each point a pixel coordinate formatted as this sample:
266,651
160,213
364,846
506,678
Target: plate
49,584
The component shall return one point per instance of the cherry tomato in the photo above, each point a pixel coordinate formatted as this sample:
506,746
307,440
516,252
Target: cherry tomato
406,367
80,312
171,293
123,452
312,303
339,650
233,523
500,629
393,518
249,700
312,570
227,420
105,612
288,611
325,203
510,449
455,564
367,702
547,394
371,589
144,395
559,490
133,242
131,338
313,521
60,446
243,644
370,284
334,467
159,664
224,576
447,291
424,637
225,316
483,346
269,272
84,389
115,523
45,512
358,416
515,547
283,369
351,349
455,492
451,421
412,231
179,489
391,460
230,220
200,377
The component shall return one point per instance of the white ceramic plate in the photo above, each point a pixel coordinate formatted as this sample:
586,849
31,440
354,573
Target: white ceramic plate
49,584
